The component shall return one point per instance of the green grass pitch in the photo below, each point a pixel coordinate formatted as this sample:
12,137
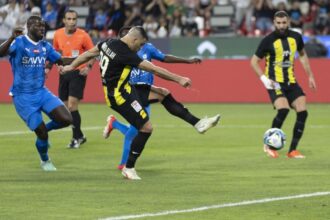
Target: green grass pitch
180,169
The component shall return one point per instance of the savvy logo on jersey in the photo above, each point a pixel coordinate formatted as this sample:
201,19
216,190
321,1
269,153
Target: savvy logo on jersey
34,61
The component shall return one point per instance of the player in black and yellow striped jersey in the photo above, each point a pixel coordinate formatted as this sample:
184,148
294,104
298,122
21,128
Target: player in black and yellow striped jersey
279,49
117,58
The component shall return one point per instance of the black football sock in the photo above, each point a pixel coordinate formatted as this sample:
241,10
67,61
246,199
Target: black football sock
298,129
137,147
280,117
177,109
76,123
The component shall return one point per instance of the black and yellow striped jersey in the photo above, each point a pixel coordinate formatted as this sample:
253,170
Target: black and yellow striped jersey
116,62
279,53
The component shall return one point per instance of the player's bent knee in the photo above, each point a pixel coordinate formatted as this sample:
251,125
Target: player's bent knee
66,120
165,91
42,133
146,128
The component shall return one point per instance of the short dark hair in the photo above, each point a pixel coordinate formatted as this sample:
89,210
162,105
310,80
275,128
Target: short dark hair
123,31
281,14
142,32
70,11
32,19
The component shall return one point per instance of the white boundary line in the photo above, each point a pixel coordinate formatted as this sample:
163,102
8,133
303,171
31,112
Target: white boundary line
9,133
219,206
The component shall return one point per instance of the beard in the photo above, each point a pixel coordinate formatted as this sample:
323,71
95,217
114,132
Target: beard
282,32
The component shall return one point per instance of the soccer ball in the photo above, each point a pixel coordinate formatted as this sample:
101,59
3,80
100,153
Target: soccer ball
274,138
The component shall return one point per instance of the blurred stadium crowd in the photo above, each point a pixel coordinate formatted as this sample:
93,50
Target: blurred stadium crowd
170,18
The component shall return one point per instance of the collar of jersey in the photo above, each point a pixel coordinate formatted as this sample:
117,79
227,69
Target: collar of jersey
29,39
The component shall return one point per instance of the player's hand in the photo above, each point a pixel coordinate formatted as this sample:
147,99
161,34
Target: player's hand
185,82
195,60
84,71
312,83
17,32
268,83
65,69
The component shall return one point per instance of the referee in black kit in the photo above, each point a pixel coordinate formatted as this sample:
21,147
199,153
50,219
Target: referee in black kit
279,49
117,57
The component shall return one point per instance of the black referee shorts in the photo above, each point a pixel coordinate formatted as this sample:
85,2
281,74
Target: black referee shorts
132,109
71,84
290,91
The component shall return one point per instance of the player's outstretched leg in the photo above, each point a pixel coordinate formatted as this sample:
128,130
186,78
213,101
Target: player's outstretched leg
113,123
177,109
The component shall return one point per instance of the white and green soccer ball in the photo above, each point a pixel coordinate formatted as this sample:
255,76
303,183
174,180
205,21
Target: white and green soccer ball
275,138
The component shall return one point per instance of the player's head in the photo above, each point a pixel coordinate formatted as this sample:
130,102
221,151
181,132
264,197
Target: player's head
123,31
281,23
36,27
135,38
70,20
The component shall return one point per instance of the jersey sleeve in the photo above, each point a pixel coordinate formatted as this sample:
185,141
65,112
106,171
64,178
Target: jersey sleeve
300,43
262,49
13,47
156,53
52,54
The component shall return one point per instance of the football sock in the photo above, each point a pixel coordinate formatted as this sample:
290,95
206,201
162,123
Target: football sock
280,117
137,147
129,136
42,147
52,125
298,129
76,123
120,126
177,109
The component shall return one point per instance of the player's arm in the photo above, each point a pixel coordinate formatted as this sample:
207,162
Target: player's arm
83,58
174,59
164,73
4,47
86,69
255,60
305,63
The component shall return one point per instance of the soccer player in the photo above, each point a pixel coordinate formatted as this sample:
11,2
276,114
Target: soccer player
71,41
28,55
279,49
117,57
148,93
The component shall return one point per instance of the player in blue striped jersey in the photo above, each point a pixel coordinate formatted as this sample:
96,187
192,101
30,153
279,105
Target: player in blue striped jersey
148,93
28,55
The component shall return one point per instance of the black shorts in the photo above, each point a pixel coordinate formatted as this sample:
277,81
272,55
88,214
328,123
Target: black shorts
290,91
143,91
132,109
71,84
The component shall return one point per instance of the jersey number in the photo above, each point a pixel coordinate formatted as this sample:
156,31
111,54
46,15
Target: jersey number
104,63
